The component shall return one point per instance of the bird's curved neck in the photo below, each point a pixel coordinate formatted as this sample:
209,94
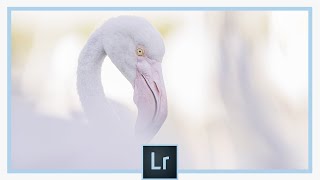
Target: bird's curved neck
89,84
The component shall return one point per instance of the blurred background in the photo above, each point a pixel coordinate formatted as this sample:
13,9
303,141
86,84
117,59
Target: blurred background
237,83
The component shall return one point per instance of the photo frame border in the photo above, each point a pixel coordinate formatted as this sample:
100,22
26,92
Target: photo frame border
226,171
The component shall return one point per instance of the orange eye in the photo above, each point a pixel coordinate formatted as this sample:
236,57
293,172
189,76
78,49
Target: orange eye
140,52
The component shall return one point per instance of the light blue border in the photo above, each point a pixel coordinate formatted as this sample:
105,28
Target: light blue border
307,9
310,89
8,89
159,8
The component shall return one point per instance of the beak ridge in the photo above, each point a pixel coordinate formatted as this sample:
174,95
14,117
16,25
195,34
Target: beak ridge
151,100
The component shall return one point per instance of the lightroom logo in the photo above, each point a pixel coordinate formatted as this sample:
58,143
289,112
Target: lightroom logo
160,162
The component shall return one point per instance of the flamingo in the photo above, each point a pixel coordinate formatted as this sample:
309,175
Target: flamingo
136,49
107,140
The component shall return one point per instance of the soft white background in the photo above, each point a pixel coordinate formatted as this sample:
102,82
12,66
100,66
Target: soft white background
284,3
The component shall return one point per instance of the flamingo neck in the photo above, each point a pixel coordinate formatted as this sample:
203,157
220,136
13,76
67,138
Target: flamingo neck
89,84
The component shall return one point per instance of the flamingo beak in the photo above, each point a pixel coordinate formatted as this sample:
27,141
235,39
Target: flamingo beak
150,98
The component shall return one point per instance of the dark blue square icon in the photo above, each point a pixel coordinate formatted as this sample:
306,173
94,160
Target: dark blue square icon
160,162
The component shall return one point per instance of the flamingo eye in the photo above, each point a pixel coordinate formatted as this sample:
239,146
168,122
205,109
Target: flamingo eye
140,52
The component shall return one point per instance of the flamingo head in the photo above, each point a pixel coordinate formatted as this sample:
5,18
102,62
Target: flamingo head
136,48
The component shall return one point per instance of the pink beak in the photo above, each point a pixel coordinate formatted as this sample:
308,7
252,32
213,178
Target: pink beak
150,98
